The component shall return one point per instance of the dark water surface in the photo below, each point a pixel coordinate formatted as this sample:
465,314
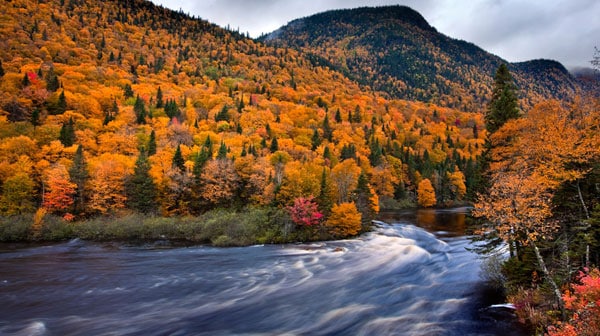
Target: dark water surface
398,280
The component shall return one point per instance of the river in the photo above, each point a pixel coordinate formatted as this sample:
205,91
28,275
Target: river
411,276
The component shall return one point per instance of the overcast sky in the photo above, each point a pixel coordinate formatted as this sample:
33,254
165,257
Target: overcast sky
563,30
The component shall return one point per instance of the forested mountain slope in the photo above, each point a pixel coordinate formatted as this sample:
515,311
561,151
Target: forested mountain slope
203,118
393,49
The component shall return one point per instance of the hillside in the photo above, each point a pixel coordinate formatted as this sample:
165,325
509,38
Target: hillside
117,106
394,50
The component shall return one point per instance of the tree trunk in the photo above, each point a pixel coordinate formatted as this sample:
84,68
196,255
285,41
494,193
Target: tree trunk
587,216
556,290
585,209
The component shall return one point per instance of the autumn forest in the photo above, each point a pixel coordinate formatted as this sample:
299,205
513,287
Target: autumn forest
126,120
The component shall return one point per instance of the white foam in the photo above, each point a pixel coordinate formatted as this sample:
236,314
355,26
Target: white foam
33,329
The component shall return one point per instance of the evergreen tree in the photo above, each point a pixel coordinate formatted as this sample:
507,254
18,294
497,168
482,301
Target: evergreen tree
241,104
315,140
357,116
67,133
325,200
140,110
115,108
363,200
503,105
223,115
327,131
171,108
79,175
338,116
52,82
1,69
348,152
152,144
199,162
35,117
159,98
107,119
140,188
127,91
274,145
25,81
208,144
222,153
61,106
178,161
327,154
376,152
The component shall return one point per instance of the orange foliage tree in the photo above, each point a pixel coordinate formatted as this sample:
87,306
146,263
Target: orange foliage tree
58,196
345,220
531,158
425,194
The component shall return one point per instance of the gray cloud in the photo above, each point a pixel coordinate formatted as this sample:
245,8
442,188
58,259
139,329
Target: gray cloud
516,30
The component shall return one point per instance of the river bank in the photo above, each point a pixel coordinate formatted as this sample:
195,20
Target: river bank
217,227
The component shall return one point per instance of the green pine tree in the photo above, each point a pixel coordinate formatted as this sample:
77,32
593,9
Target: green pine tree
159,98
274,145
61,105
325,200
35,117
315,140
140,188
140,110
363,198
52,82
327,131
338,116
199,161
79,175
376,155
223,115
25,81
127,91
152,144
357,116
503,105
67,133
222,153
178,161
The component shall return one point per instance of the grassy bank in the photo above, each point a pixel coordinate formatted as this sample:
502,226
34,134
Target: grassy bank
221,227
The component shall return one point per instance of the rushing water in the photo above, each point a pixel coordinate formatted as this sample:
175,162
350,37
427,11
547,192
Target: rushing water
398,280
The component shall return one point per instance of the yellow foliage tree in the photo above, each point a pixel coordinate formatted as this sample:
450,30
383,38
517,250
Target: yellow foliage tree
345,220
425,194
345,177
457,184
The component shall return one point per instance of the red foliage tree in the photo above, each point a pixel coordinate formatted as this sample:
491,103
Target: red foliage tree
305,211
59,193
584,302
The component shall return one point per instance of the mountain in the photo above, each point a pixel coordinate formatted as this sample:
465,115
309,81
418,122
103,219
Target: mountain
588,79
393,49
214,118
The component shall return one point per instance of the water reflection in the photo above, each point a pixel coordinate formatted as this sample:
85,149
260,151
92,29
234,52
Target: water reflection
442,222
